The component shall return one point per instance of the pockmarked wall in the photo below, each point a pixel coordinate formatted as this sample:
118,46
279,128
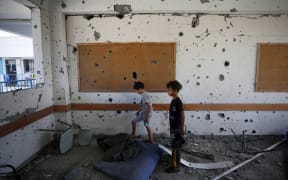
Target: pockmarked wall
215,62
20,146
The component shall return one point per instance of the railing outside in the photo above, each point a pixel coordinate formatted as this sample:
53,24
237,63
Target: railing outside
12,82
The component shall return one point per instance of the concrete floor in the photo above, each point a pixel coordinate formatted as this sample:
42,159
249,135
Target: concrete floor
50,165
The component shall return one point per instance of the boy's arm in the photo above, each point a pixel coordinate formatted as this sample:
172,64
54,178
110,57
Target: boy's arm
148,111
182,118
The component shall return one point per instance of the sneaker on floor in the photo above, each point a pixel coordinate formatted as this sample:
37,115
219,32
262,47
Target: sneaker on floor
172,170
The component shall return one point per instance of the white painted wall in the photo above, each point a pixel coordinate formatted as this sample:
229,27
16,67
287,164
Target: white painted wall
9,9
172,6
235,39
19,146
17,46
60,66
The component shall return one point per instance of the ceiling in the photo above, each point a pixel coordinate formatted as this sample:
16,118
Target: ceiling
15,18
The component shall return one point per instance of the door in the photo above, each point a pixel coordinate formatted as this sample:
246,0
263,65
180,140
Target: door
11,71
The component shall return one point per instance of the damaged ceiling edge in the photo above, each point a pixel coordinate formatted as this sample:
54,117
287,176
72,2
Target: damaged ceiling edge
180,13
195,20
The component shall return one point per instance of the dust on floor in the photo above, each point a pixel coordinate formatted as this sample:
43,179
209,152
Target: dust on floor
50,165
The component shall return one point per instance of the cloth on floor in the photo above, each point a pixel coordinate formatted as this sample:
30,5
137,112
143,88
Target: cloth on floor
139,168
119,147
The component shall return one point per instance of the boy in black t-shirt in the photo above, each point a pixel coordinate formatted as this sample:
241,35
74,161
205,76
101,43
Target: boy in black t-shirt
176,119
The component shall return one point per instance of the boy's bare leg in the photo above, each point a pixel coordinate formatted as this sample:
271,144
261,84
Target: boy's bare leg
149,131
133,129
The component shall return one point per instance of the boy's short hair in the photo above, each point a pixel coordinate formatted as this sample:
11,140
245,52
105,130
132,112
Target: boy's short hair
175,85
138,85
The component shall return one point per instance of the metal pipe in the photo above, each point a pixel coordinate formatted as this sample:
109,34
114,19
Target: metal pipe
64,123
248,160
50,130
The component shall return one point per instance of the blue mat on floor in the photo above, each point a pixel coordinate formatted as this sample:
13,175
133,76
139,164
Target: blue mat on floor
139,168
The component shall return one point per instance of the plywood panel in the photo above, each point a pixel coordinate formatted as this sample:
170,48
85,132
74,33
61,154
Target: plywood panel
272,68
113,67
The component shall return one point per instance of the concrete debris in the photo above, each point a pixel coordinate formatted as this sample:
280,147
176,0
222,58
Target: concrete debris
46,168
200,154
244,156
258,161
248,160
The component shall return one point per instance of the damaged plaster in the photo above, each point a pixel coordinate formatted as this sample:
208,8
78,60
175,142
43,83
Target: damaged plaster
182,6
25,142
195,21
214,53
97,35
205,1
122,8
201,42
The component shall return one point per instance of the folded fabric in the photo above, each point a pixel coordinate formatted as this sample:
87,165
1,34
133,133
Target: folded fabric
119,147
139,168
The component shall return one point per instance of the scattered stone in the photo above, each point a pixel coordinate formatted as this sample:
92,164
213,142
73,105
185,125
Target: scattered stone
244,156
229,178
258,161
85,164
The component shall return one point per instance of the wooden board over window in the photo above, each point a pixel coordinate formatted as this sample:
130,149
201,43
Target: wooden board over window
272,68
113,67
